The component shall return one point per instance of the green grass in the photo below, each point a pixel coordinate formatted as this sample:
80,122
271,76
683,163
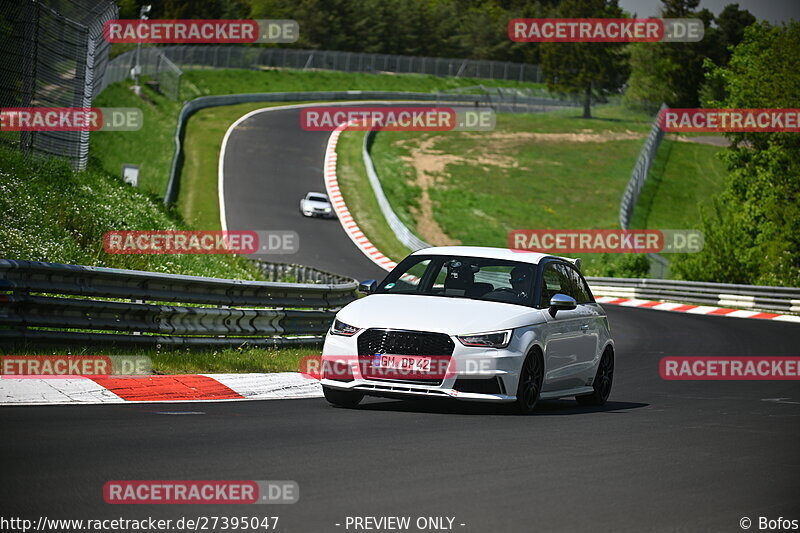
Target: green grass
360,198
198,201
682,181
50,213
153,146
234,81
497,185
195,361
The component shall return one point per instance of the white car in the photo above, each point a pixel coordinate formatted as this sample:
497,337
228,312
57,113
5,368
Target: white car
316,204
472,323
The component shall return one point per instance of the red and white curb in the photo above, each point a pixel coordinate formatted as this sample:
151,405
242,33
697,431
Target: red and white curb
369,249
146,389
345,218
695,309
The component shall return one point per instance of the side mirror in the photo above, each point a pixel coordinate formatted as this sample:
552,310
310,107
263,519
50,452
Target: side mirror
368,286
561,302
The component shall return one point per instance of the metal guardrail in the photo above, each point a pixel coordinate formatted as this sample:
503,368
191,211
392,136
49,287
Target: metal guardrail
53,303
640,171
400,230
517,99
195,56
659,265
203,102
36,306
300,273
783,299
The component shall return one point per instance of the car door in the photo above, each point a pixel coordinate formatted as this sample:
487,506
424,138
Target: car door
566,344
591,324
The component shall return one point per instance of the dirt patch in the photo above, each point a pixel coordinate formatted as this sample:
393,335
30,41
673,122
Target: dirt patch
427,163
499,141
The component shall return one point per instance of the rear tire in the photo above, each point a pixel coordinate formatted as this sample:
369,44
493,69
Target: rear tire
529,388
602,383
342,398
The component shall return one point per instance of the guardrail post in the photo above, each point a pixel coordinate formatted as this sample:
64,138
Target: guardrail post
137,302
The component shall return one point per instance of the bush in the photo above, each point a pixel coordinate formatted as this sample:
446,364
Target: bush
50,213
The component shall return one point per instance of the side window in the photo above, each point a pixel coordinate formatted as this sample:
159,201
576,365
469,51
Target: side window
555,280
582,293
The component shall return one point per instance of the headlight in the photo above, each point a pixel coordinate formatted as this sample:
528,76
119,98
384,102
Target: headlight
327,209
494,339
345,330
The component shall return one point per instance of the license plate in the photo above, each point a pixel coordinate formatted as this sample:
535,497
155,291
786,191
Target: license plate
408,363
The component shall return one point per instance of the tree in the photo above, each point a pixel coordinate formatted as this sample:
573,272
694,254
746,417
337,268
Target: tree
753,234
731,22
647,88
585,68
674,72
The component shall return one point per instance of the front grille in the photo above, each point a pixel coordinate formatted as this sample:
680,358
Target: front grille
401,342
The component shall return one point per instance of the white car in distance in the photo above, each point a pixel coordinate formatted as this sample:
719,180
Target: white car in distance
472,323
316,204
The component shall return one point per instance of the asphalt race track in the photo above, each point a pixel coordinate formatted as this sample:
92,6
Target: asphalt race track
690,456
661,455
270,164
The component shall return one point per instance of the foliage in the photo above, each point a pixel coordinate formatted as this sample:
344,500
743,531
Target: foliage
475,29
50,213
585,68
753,233
673,72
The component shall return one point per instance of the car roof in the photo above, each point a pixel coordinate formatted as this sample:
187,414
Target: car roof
508,254
316,193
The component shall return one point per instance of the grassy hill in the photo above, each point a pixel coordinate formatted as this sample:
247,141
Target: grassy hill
535,171
50,213
152,147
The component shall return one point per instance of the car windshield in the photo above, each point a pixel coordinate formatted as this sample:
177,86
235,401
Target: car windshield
315,198
475,278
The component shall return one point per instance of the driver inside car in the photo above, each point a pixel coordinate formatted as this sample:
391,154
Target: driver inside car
519,292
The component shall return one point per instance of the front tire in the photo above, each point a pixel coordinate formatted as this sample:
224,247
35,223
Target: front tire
531,377
342,398
603,381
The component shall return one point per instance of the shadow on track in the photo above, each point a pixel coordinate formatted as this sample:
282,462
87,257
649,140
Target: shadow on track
454,407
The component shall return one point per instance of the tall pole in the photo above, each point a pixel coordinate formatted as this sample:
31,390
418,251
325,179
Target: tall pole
137,70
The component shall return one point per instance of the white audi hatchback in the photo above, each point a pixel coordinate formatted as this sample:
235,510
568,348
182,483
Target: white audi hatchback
472,323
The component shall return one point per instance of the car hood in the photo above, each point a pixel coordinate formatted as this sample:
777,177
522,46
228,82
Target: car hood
316,205
454,316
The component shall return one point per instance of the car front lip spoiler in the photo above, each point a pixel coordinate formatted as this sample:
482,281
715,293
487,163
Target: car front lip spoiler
376,388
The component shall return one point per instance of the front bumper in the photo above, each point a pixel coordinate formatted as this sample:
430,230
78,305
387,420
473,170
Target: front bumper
319,214
471,366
